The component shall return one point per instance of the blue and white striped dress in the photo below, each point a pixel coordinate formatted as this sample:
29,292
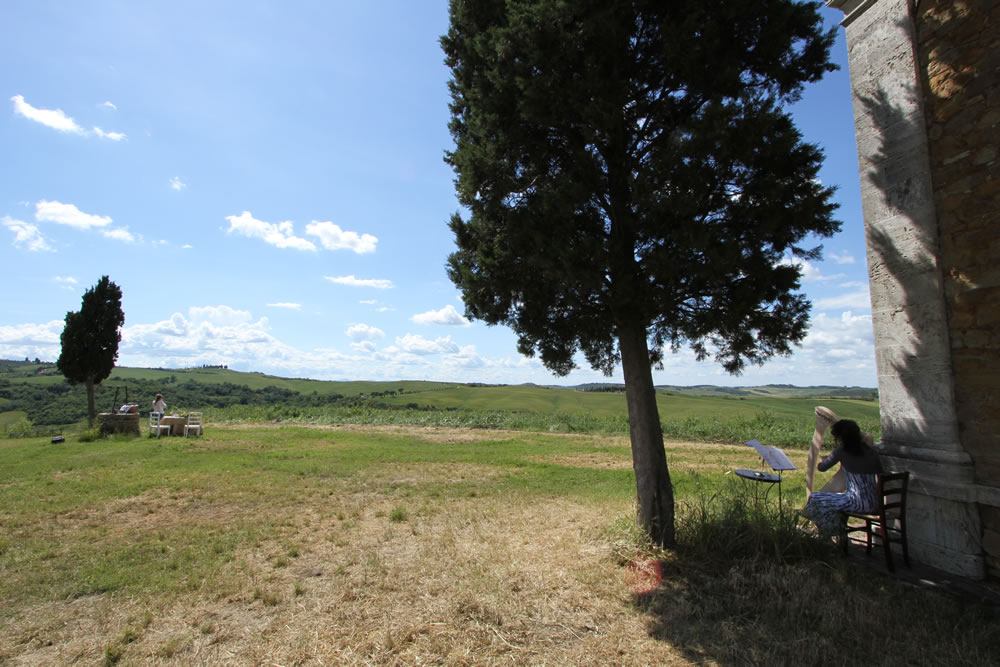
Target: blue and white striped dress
825,509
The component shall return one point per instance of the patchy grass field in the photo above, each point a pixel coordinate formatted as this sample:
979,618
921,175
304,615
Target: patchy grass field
399,545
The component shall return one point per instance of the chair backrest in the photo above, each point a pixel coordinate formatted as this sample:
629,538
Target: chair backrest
194,419
892,493
154,418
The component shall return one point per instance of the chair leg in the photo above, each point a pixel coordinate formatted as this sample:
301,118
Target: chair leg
887,547
869,536
902,541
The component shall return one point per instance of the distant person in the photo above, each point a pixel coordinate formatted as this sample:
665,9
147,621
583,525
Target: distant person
159,405
860,463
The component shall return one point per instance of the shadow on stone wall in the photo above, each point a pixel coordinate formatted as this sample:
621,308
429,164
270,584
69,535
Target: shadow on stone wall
905,279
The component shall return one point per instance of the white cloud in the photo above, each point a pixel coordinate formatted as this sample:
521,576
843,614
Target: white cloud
223,335
842,258
422,346
446,316
65,281
68,214
360,282
368,302
854,283
26,235
838,350
286,305
110,105
364,347
836,342
332,237
222,315
362,332
281,235
177,184
120,234
810,272
113,136
31,340
54,118
467,358
859,300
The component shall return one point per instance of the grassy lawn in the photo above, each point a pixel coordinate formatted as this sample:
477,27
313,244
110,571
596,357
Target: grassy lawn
271,544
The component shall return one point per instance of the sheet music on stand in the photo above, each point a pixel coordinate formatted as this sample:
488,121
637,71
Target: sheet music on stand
772,456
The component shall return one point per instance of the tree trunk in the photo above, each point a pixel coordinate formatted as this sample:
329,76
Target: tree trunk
91,411
649,459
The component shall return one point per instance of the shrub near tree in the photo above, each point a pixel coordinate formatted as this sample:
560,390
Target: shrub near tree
632,182
90,339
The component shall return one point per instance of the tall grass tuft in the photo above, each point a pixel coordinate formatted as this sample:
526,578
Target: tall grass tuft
734,522
746,586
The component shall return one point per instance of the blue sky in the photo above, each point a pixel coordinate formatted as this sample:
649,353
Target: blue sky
265,183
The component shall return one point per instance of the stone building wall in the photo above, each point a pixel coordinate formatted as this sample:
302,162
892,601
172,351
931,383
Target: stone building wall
911,282
958,51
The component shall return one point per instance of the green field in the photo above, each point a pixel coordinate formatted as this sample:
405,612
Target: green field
11,416
779,415
671,406
284,544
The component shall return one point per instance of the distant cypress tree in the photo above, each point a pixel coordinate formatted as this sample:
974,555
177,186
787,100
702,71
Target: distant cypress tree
633,182
90,339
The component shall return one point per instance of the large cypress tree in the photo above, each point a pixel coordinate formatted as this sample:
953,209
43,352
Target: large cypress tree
633,182
90,339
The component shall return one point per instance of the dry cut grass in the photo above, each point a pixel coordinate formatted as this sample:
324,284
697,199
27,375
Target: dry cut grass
347,581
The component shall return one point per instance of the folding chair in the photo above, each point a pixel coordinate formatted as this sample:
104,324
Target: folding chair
156,426
888,522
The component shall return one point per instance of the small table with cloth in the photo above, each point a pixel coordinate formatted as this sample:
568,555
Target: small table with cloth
175,423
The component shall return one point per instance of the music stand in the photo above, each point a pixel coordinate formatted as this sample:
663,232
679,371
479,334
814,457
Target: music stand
773,457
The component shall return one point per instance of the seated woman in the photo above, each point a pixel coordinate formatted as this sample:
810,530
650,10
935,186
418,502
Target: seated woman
861,463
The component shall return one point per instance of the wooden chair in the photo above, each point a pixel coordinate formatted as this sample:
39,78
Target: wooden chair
888,522
193,424
156,426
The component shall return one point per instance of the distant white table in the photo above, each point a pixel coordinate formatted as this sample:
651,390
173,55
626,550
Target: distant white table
176,424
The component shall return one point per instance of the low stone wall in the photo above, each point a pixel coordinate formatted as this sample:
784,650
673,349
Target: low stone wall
114,423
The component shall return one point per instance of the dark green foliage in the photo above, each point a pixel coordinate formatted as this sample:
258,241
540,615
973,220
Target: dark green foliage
91,336
631,162
63,404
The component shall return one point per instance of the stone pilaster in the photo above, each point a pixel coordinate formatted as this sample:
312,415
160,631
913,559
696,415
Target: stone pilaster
920,430
958,46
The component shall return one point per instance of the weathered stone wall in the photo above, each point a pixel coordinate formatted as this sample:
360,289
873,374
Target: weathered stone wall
958,50
913,347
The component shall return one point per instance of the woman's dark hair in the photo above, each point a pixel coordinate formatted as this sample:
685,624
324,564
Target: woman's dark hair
848,434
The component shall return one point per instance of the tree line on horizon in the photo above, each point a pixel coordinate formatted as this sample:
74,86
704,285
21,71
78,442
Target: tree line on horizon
62,403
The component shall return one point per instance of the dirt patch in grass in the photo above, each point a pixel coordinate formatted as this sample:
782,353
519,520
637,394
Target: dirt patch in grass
158,509
432,433
593,460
